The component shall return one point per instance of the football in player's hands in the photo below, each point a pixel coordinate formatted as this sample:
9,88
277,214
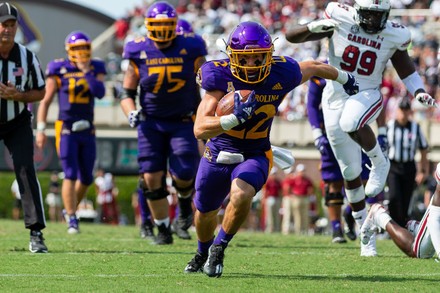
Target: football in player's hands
226,104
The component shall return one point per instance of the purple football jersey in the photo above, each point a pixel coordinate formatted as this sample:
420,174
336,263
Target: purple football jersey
75,100
167,86
252,136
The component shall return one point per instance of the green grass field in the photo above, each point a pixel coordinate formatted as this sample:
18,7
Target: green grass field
114,259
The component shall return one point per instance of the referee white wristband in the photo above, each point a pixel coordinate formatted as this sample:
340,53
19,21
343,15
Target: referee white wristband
228,122
41,126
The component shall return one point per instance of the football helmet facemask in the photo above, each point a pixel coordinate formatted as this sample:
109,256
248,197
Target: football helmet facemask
160,21
250,40
78,47
372,15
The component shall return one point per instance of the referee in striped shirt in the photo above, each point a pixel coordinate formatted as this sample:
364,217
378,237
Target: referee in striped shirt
405,138
22,82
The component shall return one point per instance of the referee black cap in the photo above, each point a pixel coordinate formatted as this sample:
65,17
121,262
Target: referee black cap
7,12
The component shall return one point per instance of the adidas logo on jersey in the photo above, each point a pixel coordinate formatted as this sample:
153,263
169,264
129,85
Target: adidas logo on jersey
277,87
183,52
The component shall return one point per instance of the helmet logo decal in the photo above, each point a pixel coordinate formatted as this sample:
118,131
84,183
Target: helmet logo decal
354,29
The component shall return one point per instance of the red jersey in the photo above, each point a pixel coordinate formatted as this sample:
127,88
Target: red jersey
297,185
272,187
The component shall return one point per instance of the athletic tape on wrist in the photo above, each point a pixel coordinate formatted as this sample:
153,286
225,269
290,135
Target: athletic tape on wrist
228,122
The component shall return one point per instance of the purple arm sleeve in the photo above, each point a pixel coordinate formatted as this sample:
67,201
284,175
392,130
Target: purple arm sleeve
314,98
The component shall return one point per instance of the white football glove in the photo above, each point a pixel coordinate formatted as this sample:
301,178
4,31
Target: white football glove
426,100
134,118
322,25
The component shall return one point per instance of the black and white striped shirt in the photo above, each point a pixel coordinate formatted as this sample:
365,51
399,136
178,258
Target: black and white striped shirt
404,141
22,69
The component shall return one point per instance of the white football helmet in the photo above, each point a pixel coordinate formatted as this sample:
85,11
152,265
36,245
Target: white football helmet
372,15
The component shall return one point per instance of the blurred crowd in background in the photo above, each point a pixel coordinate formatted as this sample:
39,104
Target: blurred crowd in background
214,20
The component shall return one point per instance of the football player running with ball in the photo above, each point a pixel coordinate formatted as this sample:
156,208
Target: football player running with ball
238,155
361,41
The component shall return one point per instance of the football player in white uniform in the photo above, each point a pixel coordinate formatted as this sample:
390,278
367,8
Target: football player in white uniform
361,41
420,239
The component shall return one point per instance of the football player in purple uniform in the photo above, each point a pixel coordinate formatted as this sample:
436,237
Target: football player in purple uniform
238,154
163,66
419,239
77,81
361,41
146,229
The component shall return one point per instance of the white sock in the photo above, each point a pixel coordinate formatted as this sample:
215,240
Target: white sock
376,155
165,221
434,227
360,217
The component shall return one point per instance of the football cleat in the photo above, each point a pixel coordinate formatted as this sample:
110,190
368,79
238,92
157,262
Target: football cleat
338,237
214,264
371,225
377,179
164,236
369,250
196,264
36,243
146,231
73,227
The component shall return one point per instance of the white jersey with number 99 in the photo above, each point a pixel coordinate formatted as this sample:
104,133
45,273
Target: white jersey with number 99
361,54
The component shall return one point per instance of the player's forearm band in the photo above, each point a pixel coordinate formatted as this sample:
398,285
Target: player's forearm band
342,76
228,122
414,83
128,94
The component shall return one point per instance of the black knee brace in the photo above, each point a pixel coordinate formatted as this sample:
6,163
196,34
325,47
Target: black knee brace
334,199
184,190
157,194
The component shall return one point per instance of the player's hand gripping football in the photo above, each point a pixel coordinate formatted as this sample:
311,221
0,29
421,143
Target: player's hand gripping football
351,87
322,25
244,110
426,100
134,118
